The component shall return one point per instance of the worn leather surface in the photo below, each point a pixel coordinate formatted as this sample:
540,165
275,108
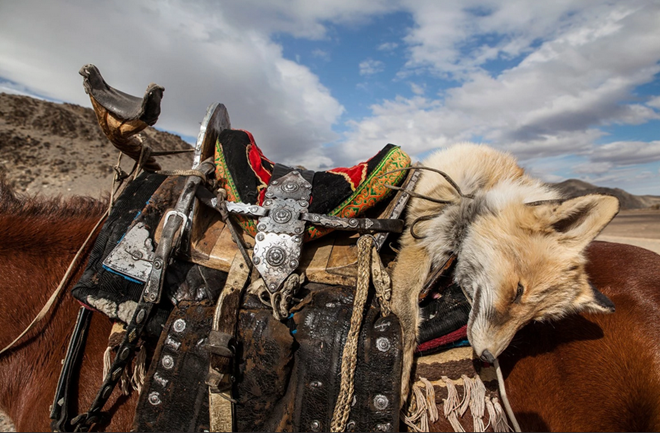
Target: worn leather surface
295,382
175,397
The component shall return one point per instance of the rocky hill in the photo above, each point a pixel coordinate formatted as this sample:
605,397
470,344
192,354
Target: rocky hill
52,148
575,187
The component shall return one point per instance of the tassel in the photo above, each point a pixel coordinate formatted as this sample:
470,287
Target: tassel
451,404
432,408
125,382
477,404
107,361
500,424
417,419
140,370
467,395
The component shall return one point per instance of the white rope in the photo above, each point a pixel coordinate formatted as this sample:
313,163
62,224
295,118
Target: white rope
505,399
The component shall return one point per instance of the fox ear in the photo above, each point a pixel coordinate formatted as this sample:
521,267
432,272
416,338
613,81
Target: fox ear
579,220
594,302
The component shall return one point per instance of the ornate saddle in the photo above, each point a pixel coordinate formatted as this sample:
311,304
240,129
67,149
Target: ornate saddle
242,346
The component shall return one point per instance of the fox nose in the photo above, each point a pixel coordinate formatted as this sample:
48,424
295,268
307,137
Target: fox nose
488,357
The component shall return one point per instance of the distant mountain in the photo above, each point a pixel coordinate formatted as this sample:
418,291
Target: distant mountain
574,187
53,148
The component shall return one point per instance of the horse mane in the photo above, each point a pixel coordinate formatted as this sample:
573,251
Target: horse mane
52,208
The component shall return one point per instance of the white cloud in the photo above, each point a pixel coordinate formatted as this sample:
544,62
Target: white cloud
551,103
371,67
627,152
417,89
387,46
321,54
654,102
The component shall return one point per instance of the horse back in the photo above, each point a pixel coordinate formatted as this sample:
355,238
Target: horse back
594,371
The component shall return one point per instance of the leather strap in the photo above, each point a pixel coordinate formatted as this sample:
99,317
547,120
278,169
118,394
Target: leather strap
59,412
221,346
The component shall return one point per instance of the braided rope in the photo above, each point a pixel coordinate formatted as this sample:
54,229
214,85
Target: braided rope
349,356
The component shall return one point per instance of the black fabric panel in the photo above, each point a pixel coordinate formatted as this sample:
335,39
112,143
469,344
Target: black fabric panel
234,147
441,316
126,208
329,190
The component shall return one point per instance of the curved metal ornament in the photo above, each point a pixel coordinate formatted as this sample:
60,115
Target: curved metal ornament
279,238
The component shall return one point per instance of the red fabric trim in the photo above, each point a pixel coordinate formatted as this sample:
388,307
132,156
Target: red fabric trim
452,337
255,156
354,175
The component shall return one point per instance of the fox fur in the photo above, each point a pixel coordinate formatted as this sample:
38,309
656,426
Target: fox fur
519,246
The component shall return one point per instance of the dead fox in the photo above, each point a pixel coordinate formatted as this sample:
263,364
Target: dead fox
519,247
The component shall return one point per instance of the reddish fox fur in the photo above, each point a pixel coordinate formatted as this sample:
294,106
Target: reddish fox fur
583,372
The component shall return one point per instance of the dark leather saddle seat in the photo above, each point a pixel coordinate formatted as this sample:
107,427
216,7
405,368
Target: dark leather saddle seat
122,105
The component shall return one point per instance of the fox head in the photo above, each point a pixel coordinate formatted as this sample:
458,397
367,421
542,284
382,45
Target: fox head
526,262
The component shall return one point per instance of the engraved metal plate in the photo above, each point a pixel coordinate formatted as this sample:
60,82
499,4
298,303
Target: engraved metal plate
279,237
133,255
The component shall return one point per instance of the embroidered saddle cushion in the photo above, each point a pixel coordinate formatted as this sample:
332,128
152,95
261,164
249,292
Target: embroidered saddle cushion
244,171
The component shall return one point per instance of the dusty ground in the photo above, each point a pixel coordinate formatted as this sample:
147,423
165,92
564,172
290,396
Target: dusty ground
640,227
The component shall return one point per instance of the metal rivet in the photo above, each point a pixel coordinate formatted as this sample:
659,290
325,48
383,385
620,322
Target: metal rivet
352,222
298,230
261,237
303,203
316,384
294,172
158,263
107,391
383,344
261,227
384,427
350,426
154,398
293,263
275,182
179,325
268,202
315,425
256,260
381,402
168,362
124,353
152,296
297,239
270,194
140,316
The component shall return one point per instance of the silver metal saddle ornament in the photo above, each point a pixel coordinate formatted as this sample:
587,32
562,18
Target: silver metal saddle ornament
281,225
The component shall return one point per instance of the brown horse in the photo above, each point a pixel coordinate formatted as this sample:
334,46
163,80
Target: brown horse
586,372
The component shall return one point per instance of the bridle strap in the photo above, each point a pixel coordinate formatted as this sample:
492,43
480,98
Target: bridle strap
59,413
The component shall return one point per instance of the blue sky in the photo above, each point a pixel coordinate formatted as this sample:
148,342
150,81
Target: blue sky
570,88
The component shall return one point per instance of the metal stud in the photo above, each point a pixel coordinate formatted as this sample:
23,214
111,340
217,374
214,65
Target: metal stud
384,427
350,426
315,425
168,362
383,344
154,398
124,353
107,391
381,402
140,316
179,325
261,237
316,384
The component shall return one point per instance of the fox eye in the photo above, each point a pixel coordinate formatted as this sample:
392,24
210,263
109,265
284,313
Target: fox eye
519,292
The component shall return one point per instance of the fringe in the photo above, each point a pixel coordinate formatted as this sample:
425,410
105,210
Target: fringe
451,405
140,370
107,361
423,410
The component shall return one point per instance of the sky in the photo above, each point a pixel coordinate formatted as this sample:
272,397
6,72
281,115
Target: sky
572,89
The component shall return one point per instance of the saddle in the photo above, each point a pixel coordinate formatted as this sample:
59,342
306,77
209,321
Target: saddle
239,346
